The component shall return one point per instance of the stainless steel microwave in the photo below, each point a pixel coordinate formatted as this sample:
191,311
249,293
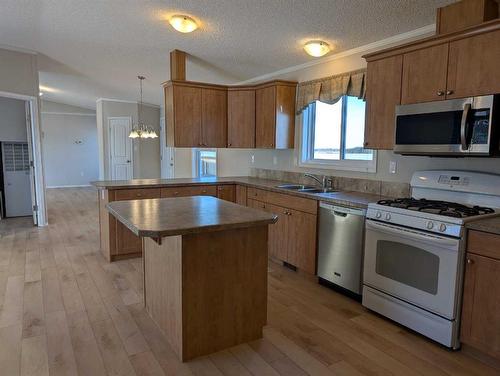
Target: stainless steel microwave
457,127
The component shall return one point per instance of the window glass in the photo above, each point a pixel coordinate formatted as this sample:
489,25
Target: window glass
206,163
327,129
355,130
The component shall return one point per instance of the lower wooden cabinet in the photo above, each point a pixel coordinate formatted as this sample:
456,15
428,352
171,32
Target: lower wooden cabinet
226,192
293,237
241,195
195,190
480,326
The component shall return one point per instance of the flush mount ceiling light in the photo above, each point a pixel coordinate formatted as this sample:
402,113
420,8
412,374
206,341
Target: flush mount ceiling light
142,130
183,24
317,48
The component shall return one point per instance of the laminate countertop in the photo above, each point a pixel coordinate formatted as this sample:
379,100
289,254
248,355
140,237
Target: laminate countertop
491,225
345,198
160,217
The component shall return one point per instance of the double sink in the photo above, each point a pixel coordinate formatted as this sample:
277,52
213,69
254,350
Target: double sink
306,188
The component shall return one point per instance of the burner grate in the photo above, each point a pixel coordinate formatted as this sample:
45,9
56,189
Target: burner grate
448,209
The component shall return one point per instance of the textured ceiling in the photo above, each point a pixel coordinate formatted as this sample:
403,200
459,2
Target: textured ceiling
95,48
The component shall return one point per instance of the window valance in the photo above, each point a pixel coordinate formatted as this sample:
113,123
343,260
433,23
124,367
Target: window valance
331,89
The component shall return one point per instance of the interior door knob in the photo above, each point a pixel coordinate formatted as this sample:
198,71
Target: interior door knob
128,161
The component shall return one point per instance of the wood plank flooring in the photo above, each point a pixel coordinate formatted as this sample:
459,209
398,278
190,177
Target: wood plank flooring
65,311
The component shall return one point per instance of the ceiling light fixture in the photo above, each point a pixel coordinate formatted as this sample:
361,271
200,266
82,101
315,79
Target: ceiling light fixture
141,130
183,24
317,48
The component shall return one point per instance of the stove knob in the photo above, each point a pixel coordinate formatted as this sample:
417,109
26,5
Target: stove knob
430,225
388,217
378,215
442,228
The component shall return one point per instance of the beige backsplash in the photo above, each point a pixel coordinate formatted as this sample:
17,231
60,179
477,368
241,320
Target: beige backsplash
383,188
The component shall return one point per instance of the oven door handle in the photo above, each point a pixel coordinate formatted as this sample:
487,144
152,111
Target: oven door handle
414,235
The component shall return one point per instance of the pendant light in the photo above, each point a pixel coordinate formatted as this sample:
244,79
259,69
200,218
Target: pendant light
141,130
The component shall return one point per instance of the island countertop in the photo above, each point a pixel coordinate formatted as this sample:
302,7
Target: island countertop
160,217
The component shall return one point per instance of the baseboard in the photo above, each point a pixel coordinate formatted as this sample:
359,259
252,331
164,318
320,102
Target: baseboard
68,186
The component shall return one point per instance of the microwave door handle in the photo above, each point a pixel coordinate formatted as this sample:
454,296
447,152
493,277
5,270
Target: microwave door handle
464,126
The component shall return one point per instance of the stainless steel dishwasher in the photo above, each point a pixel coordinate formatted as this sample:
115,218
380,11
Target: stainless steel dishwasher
340,245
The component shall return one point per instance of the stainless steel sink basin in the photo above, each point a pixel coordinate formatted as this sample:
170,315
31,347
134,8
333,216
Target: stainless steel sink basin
294,187
317,190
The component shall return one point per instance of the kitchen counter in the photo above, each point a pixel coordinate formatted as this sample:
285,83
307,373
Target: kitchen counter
491,225
205,269
161,217
345,198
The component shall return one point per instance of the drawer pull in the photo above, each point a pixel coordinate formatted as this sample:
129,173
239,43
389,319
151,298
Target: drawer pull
440,93
470,261
449,92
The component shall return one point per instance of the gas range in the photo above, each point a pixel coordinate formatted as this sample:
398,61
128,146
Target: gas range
415,250
436,216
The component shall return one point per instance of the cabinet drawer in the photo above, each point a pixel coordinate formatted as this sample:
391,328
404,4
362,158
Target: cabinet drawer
484,244
136,193
195,190
284,200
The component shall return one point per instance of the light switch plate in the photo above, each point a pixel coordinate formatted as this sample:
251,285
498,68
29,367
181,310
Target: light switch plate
393,167
253,159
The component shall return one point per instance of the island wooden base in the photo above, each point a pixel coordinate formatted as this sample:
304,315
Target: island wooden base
207,291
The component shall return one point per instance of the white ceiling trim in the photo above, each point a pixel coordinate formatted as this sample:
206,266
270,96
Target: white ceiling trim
361,49
124,101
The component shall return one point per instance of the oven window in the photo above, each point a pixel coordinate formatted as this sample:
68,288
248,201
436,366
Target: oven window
409,265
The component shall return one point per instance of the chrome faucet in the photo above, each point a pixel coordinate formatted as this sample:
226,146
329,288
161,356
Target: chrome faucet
325,182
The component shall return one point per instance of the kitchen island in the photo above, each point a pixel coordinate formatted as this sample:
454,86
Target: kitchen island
205,269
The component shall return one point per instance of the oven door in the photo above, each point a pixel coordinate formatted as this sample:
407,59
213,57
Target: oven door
420,268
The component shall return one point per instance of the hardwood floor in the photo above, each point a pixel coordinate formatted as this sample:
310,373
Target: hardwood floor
66,311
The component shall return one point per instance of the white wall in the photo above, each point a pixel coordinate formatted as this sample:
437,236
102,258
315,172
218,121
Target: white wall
146,151
12,120
69,139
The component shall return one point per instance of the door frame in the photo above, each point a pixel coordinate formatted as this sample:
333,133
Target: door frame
110,164
166,153
33,128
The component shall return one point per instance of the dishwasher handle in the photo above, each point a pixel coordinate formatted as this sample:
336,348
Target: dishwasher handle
342,210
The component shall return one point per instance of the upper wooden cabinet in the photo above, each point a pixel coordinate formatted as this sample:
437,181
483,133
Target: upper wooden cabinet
195,114
455,65
424,75
473,66
241,118
275,115
383,93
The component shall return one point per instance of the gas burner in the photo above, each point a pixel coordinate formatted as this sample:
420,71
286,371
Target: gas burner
448,209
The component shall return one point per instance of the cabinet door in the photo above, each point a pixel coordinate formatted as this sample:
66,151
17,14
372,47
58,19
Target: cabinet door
226,192
383,94
265,117
278,232
481,301
302,240
285,117
214,118
424,74
473,66
241,195
126,241
241,119
187,116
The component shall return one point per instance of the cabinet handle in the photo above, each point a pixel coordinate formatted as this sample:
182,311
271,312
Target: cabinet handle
449,92
229,144
440,93
204,191
176,193
470,261
138,195
200,144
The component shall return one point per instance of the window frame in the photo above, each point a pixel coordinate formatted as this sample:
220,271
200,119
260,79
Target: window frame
306,145
196,162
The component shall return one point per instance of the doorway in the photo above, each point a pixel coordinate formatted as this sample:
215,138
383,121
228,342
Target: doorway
121,148
17,174
166,153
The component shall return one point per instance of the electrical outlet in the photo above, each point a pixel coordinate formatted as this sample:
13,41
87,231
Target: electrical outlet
393,167
275,160
253,159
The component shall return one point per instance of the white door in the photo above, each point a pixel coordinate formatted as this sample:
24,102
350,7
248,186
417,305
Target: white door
121,148
166,153
17,182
